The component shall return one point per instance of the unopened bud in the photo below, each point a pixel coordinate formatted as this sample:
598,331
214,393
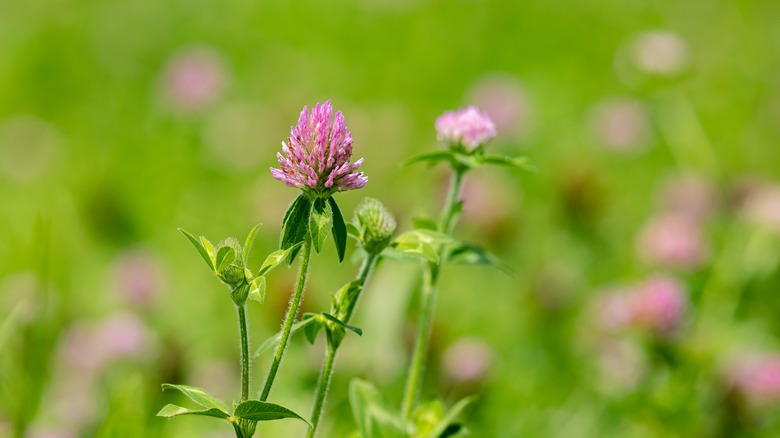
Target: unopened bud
233,274
376,225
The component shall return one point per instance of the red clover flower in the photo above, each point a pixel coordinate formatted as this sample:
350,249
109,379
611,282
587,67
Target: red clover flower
317,153
468,127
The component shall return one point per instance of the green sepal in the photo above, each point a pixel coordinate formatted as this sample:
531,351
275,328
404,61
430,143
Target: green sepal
467,254
372,415
339,229
249,242
295,224
257,410
207,252
225,257
276,258
199,396
320,223
169,411
274,340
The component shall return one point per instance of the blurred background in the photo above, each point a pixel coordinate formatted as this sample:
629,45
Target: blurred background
646,246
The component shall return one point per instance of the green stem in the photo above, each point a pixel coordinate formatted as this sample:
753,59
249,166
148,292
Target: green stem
428,294
326,374
244,353
292,312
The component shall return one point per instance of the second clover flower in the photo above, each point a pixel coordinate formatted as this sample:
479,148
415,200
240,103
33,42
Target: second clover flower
467,127
317,154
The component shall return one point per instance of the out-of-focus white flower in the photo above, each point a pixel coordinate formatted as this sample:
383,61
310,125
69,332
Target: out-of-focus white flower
660,52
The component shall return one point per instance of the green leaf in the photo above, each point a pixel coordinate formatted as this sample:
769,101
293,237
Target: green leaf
313,328
225,256
466,254
320,223
420,244
502,160
372,416
249,242
339,229
344,297
341,323
198,396
257,291
207,257
294,225
429,157
449,420
257,410
210,248
276,258
425,223
454,430
274,340
353,231
169,411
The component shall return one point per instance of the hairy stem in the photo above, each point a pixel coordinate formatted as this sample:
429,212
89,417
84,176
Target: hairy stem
244,353
292,312
326,374
431,274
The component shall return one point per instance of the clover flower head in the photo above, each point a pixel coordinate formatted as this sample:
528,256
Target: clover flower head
469,127
317,153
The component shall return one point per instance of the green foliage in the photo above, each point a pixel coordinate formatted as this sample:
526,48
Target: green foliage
294,225
339,229
320,222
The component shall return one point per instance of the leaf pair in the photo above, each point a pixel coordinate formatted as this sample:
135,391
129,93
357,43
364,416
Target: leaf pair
418,244
461,160
319,218
253,410
376,420
335,329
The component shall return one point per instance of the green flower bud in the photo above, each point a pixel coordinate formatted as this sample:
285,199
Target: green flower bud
233,274
376,225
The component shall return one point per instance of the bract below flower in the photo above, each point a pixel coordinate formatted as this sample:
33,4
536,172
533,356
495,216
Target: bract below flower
469,127
317,153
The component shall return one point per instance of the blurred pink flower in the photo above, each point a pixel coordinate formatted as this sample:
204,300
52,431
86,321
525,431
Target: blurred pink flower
672,240
137,277
487,200
621,125
690,195
659,305
758,379
505,101
660,52
467,360
194,79
468,127
89,347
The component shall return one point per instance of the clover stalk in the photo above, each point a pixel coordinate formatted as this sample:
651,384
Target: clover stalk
292,312
326,374
431,274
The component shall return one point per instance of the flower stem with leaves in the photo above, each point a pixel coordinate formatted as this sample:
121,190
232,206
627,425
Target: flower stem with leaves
373,227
